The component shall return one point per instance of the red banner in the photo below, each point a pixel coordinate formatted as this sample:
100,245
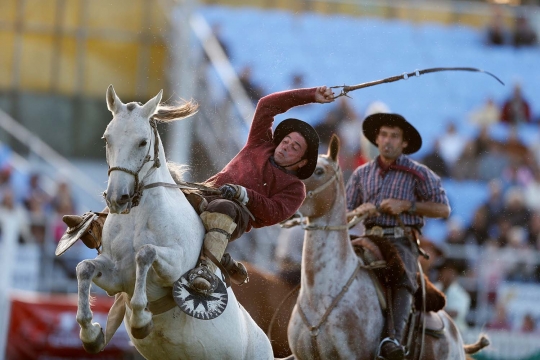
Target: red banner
44,327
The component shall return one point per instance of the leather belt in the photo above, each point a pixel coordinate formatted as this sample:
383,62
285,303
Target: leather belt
395,232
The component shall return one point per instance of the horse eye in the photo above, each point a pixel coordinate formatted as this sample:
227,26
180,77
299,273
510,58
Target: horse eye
143,143
319,171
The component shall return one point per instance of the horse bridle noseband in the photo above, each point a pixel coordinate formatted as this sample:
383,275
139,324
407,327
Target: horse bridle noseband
355,220
138,189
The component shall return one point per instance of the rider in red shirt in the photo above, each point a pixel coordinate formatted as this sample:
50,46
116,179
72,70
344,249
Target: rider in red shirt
261,186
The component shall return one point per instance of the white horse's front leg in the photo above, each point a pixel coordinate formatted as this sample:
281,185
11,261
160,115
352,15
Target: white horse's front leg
141,318
91,333
164,261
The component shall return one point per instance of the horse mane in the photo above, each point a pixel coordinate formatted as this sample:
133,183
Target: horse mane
169,113
177,172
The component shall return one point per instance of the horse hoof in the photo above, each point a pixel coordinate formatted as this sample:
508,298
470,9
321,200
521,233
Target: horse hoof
95,346
141,333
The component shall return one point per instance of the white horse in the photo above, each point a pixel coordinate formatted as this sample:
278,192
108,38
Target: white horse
148,247
338,314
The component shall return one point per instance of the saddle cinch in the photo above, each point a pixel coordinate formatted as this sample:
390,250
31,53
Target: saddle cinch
372,249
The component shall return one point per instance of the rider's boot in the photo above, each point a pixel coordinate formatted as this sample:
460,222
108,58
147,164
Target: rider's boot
393,349
219,228
237,271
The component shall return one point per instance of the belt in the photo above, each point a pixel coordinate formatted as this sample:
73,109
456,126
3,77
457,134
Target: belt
395,232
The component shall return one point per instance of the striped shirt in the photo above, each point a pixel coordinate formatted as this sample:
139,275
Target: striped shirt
412,181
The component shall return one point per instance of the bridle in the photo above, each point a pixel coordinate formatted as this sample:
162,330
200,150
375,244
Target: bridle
138,189
301,220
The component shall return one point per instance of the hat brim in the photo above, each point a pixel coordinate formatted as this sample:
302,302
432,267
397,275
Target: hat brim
310,135
73,234
373,123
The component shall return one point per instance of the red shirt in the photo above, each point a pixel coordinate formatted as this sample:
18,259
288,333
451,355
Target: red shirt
274,195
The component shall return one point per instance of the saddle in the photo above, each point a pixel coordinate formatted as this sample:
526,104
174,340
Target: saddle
372,249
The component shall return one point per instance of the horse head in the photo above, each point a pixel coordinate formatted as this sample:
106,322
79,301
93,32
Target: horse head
321,196
130,148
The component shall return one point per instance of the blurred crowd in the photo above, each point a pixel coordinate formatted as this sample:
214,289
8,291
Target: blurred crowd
38,213
519,34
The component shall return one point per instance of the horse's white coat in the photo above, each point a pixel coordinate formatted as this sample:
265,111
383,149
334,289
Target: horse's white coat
147,250
353,328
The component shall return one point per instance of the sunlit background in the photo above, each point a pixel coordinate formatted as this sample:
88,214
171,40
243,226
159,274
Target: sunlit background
57,58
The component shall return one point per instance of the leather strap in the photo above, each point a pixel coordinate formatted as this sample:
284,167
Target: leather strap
224,271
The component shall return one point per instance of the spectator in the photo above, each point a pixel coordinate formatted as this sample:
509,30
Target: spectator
458,300
466,167
478,231
516,109
492,163
529,324
62,204
435,162
515,148
495,202
523,34
12,211
487,115
349,130
253,91
36,195
534,229
514,210
455,232
500,321
297,81
482,141
451,144
326,128
496,32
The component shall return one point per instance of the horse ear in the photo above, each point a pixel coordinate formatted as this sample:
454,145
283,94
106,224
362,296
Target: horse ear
114,104
333,149
150,107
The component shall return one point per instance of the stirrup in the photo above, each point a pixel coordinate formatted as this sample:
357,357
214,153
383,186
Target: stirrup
203,271
385,340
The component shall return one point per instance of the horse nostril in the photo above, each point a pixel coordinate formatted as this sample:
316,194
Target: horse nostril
124,199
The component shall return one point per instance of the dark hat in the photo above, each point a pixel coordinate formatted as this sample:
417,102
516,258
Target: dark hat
312,138
373,123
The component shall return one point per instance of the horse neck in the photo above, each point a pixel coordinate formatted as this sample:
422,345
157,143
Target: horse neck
327,254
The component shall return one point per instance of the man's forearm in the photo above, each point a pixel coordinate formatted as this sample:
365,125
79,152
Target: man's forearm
432,210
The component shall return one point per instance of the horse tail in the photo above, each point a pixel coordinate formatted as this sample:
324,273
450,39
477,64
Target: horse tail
477,346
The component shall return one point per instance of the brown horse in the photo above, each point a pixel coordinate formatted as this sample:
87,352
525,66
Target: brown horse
338,314
262,296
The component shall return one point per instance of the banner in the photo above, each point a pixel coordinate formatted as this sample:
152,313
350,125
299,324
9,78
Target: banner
44,327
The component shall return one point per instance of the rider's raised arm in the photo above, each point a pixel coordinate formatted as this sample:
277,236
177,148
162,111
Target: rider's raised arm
281,206
275,104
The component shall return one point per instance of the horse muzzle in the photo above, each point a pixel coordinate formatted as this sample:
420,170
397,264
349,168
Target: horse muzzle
118,204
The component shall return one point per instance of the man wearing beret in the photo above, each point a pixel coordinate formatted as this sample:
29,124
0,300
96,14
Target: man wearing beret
396,193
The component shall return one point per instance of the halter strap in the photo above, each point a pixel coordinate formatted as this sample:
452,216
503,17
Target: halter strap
138,190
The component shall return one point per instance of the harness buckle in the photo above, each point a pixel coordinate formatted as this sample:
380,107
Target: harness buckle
399,232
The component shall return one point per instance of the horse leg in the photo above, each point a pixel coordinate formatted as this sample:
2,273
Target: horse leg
164,261
91,333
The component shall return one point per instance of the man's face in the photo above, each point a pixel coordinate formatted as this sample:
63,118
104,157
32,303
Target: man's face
390,142
290,150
